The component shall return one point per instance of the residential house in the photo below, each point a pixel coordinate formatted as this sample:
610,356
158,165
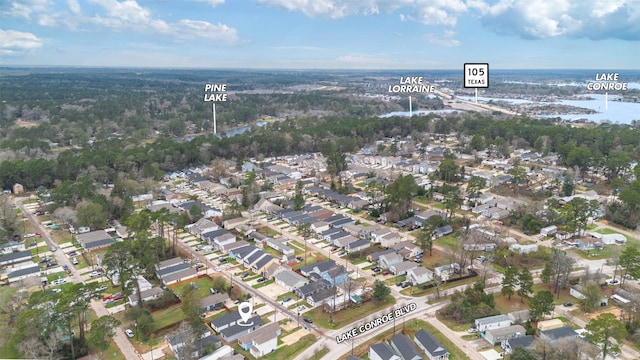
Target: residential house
431,347
13,258
345,240
357,245
168,270
23,273
231,326
390,239
519,316
401,268
184,275
549,230
443,231
525,342
376,256
290,280
382,351
201,226
387,260
94,240
317,298
207,211
407,249
196,346
497,336
405,348
319,226
169,263
319,267
146,295
213,302
419,276
554,336
261,342
219,238
311,288
492,322
446,271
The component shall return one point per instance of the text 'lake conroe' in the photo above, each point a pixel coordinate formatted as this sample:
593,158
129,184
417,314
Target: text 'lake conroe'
370,325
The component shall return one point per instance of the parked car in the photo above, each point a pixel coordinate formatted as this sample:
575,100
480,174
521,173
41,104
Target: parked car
95,273
52,264
58,282
472,330
613,282
129,333
72,253
568,304
244,275
385,272
308,320
101,288
286,299
74,261
261,280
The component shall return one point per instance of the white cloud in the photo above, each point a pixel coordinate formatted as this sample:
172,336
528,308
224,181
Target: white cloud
336,9
212,3
129,15
538,19
26,8
14,42
74,6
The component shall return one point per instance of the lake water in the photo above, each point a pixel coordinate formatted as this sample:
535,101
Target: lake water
616,111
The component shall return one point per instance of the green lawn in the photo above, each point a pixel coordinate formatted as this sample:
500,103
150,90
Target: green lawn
166,317
203,284
283,352
263,284
347,316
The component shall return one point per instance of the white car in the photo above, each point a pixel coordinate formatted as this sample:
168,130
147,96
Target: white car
95,273
613,282
58,282
129,333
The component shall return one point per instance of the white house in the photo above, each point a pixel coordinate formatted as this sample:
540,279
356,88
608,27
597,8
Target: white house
419,276
401,268
549,230
387,260
262,341
492,322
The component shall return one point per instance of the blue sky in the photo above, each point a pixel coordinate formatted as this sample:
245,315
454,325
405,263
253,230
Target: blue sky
322,34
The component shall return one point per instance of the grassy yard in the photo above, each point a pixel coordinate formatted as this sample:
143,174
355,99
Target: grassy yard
416,291
203,285
347,316
263,284
283,352
166,317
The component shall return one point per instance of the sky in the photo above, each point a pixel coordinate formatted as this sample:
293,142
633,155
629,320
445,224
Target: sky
322,34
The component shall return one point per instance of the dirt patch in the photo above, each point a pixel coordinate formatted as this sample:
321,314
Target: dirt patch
26,123
293,338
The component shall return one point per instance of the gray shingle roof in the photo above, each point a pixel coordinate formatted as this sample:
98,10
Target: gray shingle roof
430,344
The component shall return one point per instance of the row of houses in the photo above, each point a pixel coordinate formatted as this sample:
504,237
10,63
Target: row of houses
400,347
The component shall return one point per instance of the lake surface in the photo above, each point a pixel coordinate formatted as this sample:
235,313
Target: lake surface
616,111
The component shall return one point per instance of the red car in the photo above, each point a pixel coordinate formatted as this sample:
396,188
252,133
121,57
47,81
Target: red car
117,297
385,273
38,233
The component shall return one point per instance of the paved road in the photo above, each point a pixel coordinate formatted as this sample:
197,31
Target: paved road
120,339
627,353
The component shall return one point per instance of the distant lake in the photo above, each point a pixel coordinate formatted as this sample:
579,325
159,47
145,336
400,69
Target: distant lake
418,112
617,111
